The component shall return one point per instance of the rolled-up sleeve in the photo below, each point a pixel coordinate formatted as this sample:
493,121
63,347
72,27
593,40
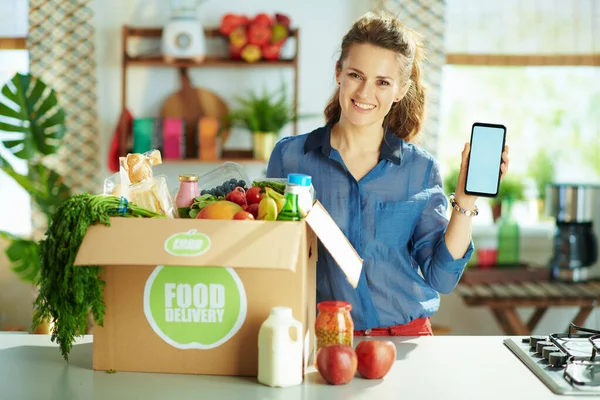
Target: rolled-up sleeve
440,270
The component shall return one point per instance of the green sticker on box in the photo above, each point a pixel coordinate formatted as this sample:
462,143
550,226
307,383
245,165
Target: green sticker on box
190,244
195,307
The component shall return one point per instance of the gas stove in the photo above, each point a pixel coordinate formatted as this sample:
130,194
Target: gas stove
568,363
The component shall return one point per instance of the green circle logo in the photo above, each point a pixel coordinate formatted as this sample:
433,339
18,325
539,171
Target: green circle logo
191,243
195,307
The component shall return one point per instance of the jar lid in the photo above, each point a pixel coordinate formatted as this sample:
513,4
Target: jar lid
334,306
188,178
300,179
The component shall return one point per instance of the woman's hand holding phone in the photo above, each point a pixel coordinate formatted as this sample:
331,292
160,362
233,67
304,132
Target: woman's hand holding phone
484,164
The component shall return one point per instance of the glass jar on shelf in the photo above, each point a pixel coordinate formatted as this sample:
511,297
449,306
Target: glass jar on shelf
334,324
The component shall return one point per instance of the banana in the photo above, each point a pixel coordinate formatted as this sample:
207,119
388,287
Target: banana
279,198
267,209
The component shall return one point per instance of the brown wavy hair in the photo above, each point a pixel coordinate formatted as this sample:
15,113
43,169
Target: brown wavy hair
406,116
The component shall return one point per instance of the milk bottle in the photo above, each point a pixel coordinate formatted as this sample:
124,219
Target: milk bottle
280,349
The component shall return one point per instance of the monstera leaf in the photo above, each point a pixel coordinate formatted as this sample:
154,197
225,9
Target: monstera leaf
49,190
32,125
23,255
31,120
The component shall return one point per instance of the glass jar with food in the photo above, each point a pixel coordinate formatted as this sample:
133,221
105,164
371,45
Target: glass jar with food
334,324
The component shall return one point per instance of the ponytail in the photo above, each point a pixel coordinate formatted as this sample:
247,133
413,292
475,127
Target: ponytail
333,111
406,116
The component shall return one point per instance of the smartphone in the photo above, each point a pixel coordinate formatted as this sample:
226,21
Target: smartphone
483,170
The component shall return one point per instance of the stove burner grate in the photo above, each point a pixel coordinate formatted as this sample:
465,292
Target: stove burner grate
581,367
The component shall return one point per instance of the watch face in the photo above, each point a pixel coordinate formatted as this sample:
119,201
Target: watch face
183,40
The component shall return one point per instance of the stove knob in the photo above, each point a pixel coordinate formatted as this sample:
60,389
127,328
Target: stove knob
547,350
541,344
534,339
557,359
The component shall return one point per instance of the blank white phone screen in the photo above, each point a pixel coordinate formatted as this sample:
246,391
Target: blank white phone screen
484,165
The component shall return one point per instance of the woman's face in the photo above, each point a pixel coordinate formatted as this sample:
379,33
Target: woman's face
370,82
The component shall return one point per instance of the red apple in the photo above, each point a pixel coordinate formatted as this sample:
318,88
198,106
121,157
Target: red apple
283,19
337,363
375,358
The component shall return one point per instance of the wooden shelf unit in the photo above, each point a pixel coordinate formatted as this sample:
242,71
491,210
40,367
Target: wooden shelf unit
157,60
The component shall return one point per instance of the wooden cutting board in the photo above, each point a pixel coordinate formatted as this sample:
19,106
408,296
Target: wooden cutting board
190,103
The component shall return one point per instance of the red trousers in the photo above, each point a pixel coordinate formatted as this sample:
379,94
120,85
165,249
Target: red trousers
417,327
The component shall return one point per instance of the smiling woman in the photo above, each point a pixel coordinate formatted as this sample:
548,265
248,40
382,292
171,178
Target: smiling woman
396,84
382,190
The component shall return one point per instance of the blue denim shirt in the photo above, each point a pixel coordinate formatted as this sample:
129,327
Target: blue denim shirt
395,217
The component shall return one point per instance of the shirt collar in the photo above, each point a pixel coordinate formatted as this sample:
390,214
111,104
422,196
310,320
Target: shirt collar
391,147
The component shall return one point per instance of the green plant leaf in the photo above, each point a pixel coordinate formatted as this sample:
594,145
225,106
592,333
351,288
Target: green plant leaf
20,179
263,111
44,185
24,257
34,122
50,190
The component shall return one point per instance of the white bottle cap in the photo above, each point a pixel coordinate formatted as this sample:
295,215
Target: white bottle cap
281,312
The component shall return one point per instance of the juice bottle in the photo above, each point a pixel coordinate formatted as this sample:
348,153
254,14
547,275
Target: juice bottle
508,236
291,210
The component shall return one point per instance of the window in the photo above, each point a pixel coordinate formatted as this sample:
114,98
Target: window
547,110
15,210
533,66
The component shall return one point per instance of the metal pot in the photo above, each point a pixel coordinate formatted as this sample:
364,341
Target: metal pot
572,202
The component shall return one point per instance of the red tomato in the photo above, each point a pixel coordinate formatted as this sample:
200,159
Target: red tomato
243,215
253,195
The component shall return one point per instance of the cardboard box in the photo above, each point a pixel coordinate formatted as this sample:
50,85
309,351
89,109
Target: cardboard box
189,296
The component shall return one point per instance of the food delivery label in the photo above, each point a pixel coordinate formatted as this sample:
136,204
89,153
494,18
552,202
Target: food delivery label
191,243
195,307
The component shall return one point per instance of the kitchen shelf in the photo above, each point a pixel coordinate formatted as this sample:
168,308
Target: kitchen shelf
157,60
218,161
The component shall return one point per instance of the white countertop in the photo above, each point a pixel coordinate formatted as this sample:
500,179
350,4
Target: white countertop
441,367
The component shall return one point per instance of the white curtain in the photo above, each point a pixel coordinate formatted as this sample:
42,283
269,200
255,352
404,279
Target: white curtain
428,18
61,49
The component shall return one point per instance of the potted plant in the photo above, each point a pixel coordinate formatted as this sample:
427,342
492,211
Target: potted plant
542,170
450,181
32,127
511,188
264,115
